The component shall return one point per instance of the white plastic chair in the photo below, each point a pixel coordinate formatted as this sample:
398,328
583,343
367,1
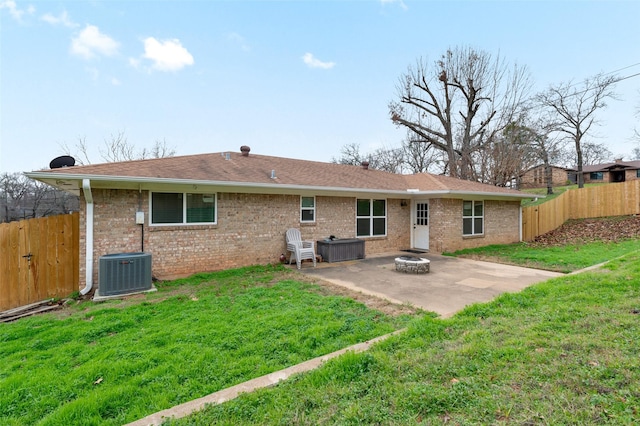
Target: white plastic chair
300,250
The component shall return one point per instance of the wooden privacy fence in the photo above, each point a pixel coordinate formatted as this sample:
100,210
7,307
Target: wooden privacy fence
39,259
615,199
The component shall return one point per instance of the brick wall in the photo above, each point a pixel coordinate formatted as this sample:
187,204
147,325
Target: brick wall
534,178
501,225
250,230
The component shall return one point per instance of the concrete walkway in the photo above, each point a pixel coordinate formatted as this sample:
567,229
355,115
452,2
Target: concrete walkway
451,284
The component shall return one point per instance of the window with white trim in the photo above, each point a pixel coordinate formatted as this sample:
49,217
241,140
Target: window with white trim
472,217
182,208
371,218
307,209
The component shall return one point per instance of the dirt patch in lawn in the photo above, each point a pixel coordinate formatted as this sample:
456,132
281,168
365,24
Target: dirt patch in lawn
370,301
580,231
324,288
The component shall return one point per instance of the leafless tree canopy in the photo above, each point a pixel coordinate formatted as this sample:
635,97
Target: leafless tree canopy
118,148
594,153
23,198
458,104
408,158
575,107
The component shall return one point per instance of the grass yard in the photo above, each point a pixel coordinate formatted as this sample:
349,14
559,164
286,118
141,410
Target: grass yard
567,258
561,352
117,361
557,190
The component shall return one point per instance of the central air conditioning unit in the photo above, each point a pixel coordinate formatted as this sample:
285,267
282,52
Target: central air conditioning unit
122,273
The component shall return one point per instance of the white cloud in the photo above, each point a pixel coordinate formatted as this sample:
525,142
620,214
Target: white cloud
115,81
398,2
167,55
91,43
313,62
62,19
12,7
239,40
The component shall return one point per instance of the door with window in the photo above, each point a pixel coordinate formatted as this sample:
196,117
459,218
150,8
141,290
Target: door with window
421,224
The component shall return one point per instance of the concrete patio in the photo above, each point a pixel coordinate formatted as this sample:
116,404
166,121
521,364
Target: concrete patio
451,284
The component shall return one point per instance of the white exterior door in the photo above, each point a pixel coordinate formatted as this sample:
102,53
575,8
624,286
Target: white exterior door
421,224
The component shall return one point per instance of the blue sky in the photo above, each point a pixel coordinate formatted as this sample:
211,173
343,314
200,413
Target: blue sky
297,79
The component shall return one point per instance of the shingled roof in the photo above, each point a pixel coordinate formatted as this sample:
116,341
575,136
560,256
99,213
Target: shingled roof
270,174
605,167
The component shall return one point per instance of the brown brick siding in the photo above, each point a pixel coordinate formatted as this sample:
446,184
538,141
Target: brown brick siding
250,230
534,178
501,222
607,177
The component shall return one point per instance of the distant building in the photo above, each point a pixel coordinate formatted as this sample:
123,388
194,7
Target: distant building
617,171
535,178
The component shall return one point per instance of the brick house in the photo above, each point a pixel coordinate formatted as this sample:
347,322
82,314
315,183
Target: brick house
617,171
215,211
535,177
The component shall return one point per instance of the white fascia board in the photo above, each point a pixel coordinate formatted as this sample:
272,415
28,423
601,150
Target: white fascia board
148,183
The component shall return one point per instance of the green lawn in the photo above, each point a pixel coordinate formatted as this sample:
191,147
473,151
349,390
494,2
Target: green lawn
557,190
565,259
563,352
118,361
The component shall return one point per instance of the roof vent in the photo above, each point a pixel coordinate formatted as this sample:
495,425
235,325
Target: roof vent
365,165
244,149
62,161
273,174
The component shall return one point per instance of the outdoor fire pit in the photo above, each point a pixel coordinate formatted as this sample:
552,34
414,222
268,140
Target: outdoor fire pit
412,264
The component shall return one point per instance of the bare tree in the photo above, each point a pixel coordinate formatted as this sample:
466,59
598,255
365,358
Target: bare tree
116,149
594,153
160,149
79,151
421,157
636,135
505,158
410,157
544,146
23,198
349,154
459,103
575,106
387,159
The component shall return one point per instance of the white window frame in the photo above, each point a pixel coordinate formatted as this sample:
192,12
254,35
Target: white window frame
371,217
184,209
473,218
312,209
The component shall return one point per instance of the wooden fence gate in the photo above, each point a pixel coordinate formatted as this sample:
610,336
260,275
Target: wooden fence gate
39,259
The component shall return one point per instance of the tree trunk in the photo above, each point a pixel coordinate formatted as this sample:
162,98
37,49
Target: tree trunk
580,176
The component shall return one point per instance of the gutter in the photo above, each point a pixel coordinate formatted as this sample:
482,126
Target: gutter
88,196
520,223
247,186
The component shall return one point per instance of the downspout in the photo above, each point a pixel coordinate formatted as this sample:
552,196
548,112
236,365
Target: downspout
88,197
520,221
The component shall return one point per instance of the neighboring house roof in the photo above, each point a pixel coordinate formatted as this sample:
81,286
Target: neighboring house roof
262,174
605,167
